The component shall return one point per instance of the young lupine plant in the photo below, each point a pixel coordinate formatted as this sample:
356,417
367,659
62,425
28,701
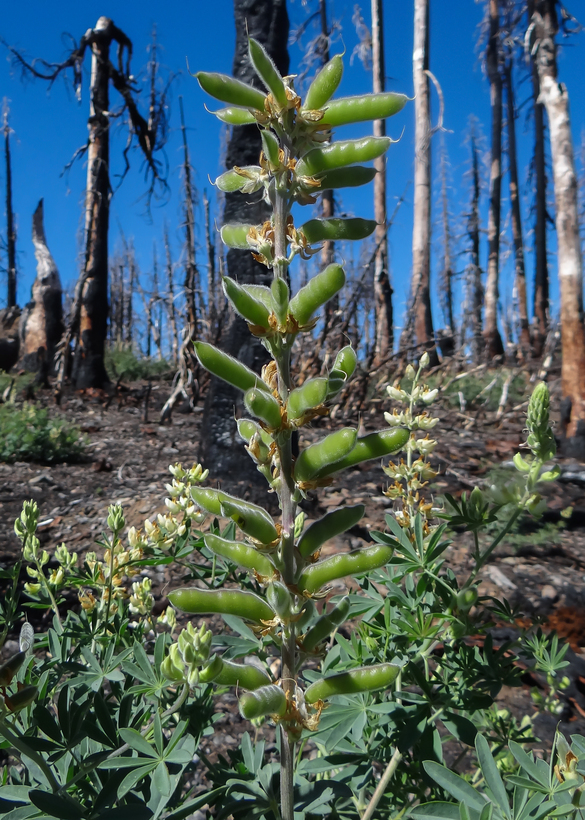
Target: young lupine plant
297,162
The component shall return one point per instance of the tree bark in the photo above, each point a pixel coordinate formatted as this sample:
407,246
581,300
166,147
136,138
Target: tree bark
473,233
555,97
541,279
10,227
268,23
491,334
384,341
421,233
88,366
516,216
447,336
41,324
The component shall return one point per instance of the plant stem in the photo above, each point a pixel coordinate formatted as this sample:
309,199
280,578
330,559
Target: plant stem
382,785
288,507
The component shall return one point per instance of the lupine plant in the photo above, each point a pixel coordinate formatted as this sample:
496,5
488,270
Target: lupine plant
105,716
297,162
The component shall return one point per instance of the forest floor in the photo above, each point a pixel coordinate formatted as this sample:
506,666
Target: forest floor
540,568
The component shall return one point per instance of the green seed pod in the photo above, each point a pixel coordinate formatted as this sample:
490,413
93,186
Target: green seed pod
267,700
261,293
304,398
326,624
351,177
374,445
366,679
227,368
21,699
346,360
324,453
231,91
334,230
307,614
233,181
207,499
247,429
270,147
235,116
253,311
246,676
324,85
340,154
241,554
279,599
335,382
280,298
264,406
267,71
238,602
235,235
250,518
211,670
316,292
347,110
315,576
10,667
332,524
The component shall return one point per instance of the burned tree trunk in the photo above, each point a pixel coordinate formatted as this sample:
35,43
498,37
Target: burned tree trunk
41,324
541,289
516,216
491,334
554,95
10,228
268,23
447,336
421,232
383,342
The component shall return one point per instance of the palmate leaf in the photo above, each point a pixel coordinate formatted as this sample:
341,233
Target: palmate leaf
492,776
455,785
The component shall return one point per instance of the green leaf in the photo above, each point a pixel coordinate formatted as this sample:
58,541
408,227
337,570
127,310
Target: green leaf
134,777
17,794
208,797
455,785
126,762
55,806
436,811
161,780
131,811
529,764
135,740
526,783
492,775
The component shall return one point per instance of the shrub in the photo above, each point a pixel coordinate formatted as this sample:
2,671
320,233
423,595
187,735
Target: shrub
28,434
123,363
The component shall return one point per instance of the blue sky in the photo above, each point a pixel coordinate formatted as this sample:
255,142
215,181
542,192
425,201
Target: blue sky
49,125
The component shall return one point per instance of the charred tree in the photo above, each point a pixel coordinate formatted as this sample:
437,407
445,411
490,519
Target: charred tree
421,233
541,278
447,336
491,334
541,35
41,324
520,270
383,343
472,314
89,315
268,23
10,226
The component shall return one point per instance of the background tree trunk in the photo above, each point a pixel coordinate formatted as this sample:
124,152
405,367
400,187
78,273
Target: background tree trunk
41,324
10,227
88,366
268,23
541,289
516,216
421,233
556,101
491,334
383,342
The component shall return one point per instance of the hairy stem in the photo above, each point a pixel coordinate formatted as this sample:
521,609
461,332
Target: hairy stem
288,507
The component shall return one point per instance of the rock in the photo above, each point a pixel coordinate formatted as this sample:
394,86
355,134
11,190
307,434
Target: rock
549,593
499,579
